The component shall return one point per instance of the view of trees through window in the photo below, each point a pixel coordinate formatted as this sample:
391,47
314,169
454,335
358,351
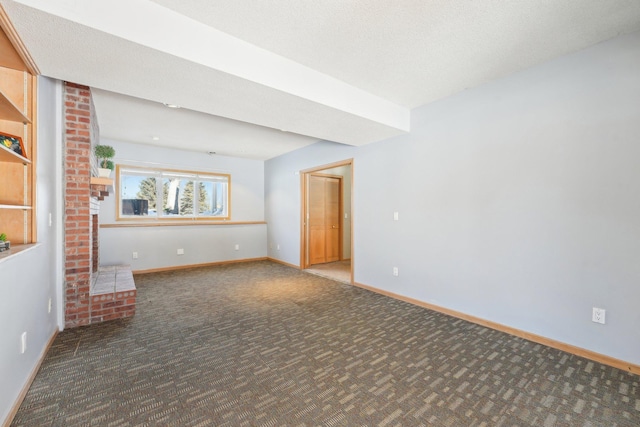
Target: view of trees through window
169,194
148,191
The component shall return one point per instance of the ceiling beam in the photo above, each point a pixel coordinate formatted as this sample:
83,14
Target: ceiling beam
152,26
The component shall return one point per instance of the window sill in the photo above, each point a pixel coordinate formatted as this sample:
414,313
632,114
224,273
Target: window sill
179,223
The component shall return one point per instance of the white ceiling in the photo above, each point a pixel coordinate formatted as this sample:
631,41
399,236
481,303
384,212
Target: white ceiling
343,70
137,120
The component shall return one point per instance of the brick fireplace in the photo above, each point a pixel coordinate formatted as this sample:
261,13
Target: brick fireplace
92,294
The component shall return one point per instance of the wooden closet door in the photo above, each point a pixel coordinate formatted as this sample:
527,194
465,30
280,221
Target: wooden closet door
332,219
324,219
316,220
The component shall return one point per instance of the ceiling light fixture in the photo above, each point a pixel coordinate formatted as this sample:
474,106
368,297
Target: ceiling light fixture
156,138
171,105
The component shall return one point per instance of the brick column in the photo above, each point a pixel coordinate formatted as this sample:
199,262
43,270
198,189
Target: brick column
116,298
77,224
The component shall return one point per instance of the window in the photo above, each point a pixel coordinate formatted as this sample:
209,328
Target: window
162,194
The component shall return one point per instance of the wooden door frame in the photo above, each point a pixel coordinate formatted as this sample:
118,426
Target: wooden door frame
304,236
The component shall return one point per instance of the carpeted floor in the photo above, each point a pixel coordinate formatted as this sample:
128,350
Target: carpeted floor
261,344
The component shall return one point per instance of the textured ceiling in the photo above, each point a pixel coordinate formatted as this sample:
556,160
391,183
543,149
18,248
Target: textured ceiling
341,70
413,52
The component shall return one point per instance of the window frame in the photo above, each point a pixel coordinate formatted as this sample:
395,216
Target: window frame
160,174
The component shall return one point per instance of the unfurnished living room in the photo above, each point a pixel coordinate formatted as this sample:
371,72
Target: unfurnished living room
319,213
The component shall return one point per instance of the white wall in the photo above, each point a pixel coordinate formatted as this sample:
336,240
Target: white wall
28,279
518,201
157,246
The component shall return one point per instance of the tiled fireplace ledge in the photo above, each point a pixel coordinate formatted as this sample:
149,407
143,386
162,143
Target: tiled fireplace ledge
113,293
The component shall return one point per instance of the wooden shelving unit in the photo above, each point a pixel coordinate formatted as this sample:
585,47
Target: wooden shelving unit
17,172
9,156
17,207
9,111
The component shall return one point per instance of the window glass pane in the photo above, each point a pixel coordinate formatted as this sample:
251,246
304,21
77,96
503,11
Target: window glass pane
217,187
213,200
138,194
180,197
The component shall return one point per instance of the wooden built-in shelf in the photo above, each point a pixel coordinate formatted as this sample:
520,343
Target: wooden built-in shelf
9,111
18,104
11,156
19,207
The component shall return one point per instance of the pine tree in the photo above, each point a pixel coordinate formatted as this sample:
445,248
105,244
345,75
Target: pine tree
203,205
186,201
147,191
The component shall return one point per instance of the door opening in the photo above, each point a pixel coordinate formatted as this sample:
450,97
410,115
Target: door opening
326,223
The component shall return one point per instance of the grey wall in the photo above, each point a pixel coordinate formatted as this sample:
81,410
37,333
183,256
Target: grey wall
518,201
157,246
28,279
282,195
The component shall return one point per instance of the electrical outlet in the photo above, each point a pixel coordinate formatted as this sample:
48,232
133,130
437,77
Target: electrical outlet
237,247
395,271
23,343
135,255
49,306
598,315
395,216
180,251
278,247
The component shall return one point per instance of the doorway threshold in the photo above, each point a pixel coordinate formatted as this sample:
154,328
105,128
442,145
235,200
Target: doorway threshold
340,271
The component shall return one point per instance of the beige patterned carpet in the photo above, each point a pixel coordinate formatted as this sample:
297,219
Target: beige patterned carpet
262,344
